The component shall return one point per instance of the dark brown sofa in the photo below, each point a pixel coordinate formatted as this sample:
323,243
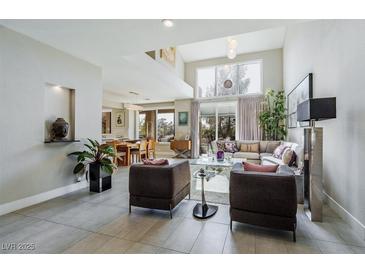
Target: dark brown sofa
264,199
159,187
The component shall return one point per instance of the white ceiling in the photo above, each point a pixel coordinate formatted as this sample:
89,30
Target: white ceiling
248,42
118,47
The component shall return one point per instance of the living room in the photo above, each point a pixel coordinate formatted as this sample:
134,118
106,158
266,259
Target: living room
182,136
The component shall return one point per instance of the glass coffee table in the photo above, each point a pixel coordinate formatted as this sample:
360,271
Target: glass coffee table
211,168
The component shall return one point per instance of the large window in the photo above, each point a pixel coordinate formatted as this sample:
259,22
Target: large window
147,124
166,125
229,80
142,125
217,122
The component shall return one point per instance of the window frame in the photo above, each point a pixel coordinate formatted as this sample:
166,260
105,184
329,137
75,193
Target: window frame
216,115
256,61
162,111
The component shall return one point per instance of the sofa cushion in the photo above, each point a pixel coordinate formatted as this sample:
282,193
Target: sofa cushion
285,170
268,146
250,147
271,160
239,142
259,168
247,155
265,154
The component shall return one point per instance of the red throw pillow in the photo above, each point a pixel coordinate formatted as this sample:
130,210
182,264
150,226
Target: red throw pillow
156,162
259,168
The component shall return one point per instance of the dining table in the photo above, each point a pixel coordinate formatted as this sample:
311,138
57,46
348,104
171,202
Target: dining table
127,146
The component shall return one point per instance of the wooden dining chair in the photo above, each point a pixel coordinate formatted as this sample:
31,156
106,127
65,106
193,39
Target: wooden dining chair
120,153
151,149
143,150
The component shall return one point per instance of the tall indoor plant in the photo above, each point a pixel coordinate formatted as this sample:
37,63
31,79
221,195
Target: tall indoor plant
99,160
272,117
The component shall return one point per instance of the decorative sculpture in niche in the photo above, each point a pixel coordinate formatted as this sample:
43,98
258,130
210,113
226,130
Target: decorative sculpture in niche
59,129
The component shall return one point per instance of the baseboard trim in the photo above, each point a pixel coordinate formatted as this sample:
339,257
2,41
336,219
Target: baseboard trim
41,197
355,224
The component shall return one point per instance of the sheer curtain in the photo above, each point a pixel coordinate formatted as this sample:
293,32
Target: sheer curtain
195,109
249,108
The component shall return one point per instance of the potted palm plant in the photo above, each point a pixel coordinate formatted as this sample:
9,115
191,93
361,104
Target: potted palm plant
272,117
98,159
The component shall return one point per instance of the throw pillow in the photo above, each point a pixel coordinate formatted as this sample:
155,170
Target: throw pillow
250,147
221,146
287,155
259,168
155,162
278,152
293,160
230,147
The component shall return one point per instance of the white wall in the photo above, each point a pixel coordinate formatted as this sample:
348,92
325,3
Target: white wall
27,165
272,67
334,51
129,125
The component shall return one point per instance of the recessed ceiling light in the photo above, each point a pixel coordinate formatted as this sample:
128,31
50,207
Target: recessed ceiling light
167,23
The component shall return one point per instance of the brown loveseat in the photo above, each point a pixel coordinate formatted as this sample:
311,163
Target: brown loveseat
264,199
159,187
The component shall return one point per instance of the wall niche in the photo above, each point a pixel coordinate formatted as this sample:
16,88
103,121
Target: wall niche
59,103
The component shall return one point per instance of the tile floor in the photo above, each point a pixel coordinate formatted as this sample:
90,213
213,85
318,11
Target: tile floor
83,222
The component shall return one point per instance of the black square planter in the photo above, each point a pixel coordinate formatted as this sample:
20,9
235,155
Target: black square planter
99,180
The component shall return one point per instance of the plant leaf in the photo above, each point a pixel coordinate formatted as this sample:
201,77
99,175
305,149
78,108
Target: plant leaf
77,153
81,158
92,142
78,168
92,149
107,169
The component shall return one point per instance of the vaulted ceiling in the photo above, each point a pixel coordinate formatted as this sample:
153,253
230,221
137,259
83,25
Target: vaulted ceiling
118,47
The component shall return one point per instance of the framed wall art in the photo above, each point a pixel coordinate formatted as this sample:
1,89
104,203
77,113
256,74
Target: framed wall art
183,118
120,119
303,91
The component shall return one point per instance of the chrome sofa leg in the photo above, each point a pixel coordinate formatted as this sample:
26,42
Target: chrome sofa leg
170,212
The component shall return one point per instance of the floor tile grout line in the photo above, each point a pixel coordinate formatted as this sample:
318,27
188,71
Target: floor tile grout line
225,239
39,219
197,237
70,226
91,231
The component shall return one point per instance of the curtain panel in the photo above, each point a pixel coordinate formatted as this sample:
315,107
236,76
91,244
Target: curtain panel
195,146
249,108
